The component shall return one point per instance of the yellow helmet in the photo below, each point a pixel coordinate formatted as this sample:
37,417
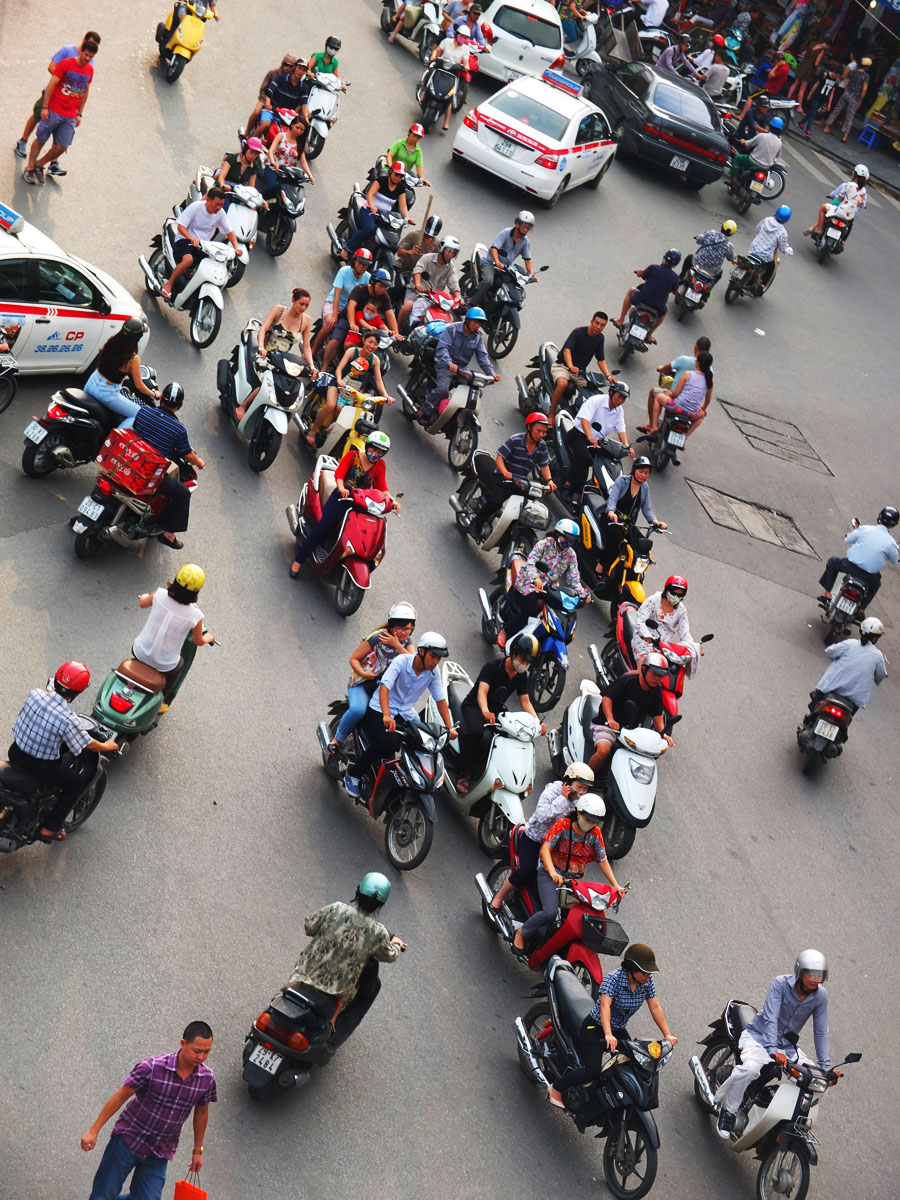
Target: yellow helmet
729,228
191,577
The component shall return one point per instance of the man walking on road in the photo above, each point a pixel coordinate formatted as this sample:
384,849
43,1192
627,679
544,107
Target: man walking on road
161,1092
64,99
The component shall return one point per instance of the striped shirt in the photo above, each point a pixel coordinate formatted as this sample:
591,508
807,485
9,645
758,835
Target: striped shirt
625,1002
44,723
163,431
519,462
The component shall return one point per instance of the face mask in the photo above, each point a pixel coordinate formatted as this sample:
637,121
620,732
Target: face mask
672,598
519,666
585,824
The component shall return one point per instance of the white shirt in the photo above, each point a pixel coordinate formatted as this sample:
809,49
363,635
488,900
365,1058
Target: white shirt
596,408
655,14
169,623
201,223
849,198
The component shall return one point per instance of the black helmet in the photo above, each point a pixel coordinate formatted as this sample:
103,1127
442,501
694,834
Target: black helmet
433,226
172,395
134,327
888,516
641,463
332,45
672,257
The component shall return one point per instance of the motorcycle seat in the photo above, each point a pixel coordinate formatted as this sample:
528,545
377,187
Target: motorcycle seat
629,625
326,485
456,693
574,1002
742,1015
145,677
15,779
78,397
320,1002
596,503
591,715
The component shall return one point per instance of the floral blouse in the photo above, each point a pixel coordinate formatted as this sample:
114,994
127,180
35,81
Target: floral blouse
672,628
585,847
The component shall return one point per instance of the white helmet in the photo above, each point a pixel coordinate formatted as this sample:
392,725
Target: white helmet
811,960
525,217
435,642
402,612
450,243
580,771
656,662
872,626
861,170
591,804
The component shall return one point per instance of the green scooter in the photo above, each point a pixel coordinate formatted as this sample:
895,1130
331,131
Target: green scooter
131,700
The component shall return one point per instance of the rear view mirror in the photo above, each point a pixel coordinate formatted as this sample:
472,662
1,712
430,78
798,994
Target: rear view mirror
707,637
652,623
544,268
854,1057
792,1037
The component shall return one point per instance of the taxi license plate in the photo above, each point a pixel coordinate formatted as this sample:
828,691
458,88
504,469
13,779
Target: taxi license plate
834,234
267,1059
826,730
675,439
505,147
845,606
513,75
90,508
690,294
35,432
638,332
757,185
678,163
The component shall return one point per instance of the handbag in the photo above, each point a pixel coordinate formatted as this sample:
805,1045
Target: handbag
189,1187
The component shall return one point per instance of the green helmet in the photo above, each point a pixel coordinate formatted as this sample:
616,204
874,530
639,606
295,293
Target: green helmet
376,886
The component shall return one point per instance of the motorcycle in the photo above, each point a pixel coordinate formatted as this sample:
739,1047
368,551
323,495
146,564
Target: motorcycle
179,42
425,30
623,580
199,289
538,385
324,109
618,657
744,280
457,416
581,932
132,698
383,242
635,331
25,799
841,612
606,464
443,81
9,370
831,240
515,528
389,11
295,1033
360,544
747,187
671,433
631,788
357,416
74,428
402,791
280,379
776,175
583,53
504,773
502,304
824,729
279,220
554,629
779,1109
243,213
620,1103
693,292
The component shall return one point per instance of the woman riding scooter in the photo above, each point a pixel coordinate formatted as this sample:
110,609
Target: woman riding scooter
173,615
355,470
364,368
552,563
285,325
370,660
117,361
385,193
628,496
668,610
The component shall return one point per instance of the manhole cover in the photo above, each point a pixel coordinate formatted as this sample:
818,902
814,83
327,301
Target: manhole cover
771,435
754,519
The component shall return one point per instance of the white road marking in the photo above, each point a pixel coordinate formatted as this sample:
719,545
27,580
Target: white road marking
814,171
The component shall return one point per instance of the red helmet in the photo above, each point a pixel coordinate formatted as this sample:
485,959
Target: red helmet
73,676
417,130
718,40
536,418
487,33
364,255
677,584
398,168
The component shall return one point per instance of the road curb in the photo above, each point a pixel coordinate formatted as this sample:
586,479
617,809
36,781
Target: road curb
844,161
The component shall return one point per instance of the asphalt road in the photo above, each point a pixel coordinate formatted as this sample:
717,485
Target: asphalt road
184,896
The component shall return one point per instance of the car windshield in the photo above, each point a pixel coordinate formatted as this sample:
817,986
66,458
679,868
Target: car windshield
527,111
682,103
534,30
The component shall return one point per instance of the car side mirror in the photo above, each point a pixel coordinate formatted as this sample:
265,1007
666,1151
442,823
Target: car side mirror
103,306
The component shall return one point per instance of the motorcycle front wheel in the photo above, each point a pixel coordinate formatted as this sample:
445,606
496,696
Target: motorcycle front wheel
175,67
547,684
426,45
279,236
315,143
493,832
237,273
783,1175
531,401
429,116
462,446
408,835
618,836
718,1061
466,495
7,391
387,23
502,336
206,317
39,460
264,447
86,805
348,595
630,1174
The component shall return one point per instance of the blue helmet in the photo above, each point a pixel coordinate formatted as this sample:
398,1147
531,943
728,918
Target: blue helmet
476,314
672,257
783,214
381,276
776,123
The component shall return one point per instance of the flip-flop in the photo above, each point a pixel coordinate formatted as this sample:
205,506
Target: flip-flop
293,574
47,838
643,428
462,787
165,294
618,324
651,341
551,1099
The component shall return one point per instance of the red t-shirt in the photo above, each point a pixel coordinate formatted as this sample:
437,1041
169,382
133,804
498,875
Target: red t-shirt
353,475
776,77
68,94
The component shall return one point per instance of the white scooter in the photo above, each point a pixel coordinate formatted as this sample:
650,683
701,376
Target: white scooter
495,796
583,53
243,213
458,416
515,529
426,32
631,790
198,291
282,391
324,106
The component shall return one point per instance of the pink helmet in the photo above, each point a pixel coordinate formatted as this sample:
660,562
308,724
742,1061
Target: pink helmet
254,144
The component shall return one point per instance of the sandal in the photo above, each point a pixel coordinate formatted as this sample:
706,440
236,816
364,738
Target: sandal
311,439
651,341
553,1100
59,836
462,785
618,324
166,294
293,574
643,428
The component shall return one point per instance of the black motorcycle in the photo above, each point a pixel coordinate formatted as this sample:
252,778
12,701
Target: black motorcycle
606,463
619,1103
9,370
113,512
442,82
502,304
824,729
831,240
747,187
635,332
24,799
669,439
693,291
385,239
279,220
751,277
73,429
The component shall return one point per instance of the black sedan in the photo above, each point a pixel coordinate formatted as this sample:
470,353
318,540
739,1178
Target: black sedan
661,118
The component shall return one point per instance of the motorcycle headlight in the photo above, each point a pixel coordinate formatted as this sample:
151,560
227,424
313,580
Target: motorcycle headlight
642,772
415,774
641,565
428,742
641,1058
818,1085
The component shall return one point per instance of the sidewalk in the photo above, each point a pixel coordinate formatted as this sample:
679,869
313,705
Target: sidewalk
883,162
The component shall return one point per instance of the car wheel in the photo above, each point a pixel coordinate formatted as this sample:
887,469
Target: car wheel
620,133
595,182
554,199
696,185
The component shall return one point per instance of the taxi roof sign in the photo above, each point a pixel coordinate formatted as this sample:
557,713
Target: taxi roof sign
10,220
563,82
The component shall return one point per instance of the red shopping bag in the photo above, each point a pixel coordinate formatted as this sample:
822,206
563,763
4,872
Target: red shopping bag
187,1190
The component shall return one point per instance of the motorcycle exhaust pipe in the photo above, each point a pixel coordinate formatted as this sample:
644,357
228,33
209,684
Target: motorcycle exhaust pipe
323,736
554,742
486,894
293,518
598,665
702,1081
64,456
485,606
335,240
521,388
406,400
153,284
293,1079
525,1047
454,501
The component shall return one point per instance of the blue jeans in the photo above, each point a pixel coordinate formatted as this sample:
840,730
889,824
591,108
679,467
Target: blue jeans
358,697
118,1161
110,396
365,230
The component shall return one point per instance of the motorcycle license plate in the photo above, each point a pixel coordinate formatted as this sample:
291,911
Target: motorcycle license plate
679,164
267,1059
638,332
846,606
511,76
90,508
505,147
35,432
675,439
8,360
834,234
690,294
826,730
757,185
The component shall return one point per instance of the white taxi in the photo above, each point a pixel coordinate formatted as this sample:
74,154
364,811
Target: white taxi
56,311
540,134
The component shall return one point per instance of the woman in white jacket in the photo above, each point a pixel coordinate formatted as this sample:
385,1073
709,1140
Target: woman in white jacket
667,608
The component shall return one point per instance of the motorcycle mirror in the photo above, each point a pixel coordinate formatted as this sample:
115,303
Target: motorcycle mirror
652,623
707,637
546,268
399,495
855,522
854,1057
792,1036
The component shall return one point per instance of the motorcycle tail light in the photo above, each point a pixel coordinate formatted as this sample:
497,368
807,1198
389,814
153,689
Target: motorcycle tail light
104,486
57,413
470,120
834,711
850,593
838,224
120,703
266,1023
761,175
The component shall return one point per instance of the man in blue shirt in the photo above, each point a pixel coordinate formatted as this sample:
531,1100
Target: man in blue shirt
401,690
161,429
856,667
350,275
660,281
459,342
509,244
791,1001
871,549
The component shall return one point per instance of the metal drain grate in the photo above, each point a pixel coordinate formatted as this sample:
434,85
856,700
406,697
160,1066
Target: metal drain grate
771,435
759,522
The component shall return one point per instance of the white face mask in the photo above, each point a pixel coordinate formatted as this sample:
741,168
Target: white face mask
584,823
519,666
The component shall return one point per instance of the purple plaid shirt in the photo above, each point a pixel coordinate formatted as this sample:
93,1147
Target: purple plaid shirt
152,1119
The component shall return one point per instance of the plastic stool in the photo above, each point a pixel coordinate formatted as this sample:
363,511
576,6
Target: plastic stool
869,135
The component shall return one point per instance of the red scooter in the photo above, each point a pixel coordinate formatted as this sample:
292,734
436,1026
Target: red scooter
348,563
583,931
618,657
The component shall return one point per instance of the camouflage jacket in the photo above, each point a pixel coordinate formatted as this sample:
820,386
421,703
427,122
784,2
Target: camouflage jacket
343,939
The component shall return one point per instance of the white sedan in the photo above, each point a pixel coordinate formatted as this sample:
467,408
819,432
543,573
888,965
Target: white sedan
540,134
56,311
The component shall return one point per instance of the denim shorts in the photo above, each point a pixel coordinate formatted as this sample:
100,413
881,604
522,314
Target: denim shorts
61,128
